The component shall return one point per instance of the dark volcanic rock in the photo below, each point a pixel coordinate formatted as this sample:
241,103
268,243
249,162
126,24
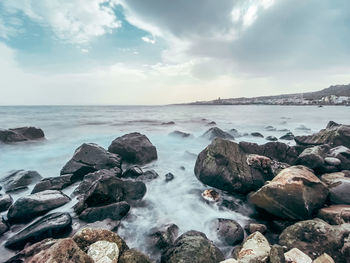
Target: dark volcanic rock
192,247
289,136
21,134
134,148
180,134
215,132
19,179
257,134
271,138
295,193
229,231
52,225
223,165
53,183
5,202
90,157
28,207
133,256
163,237
339,187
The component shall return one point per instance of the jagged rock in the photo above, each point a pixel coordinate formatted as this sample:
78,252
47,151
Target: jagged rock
180,134
229,231
192,247
255,248
134,148
5,202
21,134
28,207
164,237
315,237
51,225
88,158
342,153
257,134
277,254
324,258
295,193
115,211
133,256
169,177
339,187
216,132
313,157
297,256
289,136
53,183
335,214
19,179
104,252
253,227
132,172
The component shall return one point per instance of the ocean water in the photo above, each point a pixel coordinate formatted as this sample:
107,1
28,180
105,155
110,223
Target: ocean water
178,201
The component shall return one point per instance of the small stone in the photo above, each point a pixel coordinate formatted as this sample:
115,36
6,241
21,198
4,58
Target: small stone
257,227
169,177
296,256
257,134
104,252
211,195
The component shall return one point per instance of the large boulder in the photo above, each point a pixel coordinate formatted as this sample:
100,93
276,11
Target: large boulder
315,237
255,248
313,157
295,193
335,214
90,157
223,165
21,134
216,132
53,183
335,135
19,179
51,225
5,202
192,247
133,256
229,231
134,148
339,187
28,207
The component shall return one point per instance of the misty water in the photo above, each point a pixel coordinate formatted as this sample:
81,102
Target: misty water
178,201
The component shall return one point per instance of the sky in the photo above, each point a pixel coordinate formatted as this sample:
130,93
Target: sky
131,52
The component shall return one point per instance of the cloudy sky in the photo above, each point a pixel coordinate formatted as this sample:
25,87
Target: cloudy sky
167,51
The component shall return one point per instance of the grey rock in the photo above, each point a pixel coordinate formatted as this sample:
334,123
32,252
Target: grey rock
271,138
257,134
169,177
180,134
313,157
339,187
3,227
21,134
19,179
114,211
342,153
133,256
229,231
163,237
5,202
289,136
53,183
216,132
332,161
132,172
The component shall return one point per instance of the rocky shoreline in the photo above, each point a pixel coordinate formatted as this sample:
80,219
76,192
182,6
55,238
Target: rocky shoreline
300,194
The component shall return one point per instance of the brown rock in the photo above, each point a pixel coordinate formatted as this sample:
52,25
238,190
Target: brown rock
324,258
335,214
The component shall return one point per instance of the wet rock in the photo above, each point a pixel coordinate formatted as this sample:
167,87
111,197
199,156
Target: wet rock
64,250
255,248
324,258
134,148
334,136
148,176
21,134
212,123
28,207
88,158
253,227
257,134
315,237
104,252
51,225
164,237
342,153
3,227
229,231
19,179
180,134
335,214
211,195
133,256
297,256
270,128
271,138
192,247
215,132
53,183
132,172
289,136
313,157
169,177
87,236
339,187
277,254
168,123
115,211
276,167
5,202
235,133
295,193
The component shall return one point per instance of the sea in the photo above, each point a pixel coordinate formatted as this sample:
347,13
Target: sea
178,201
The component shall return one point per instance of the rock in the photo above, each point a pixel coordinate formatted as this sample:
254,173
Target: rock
332,161
223,165
255,248
229,231
180,134
169,177
289,136
21,134
164,237
211,195
253,227
235,133
133,256
295,193
215,132
324,258
277,254
87,236
339,187
334,136
270,128
192,247
335,214
5,202
132,172
212,123
19,179
115,211
134,148
302,128
168,123
104,252
51,225
3,227
257,134
88,158
64,250
342,153
313,157
296,256
28,207
271,138
53,183
148,176
315,237
332,124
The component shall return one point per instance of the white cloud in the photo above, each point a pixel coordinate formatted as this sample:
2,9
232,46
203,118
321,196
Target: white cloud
148,39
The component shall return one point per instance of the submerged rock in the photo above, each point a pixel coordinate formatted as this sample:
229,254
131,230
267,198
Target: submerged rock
133,256
257,134
216,132
53,183
295,193
229,231
5,202
169,177
21,134
339,187
335,214
255,248
289,136
134,148
271,138
180,134
19,179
